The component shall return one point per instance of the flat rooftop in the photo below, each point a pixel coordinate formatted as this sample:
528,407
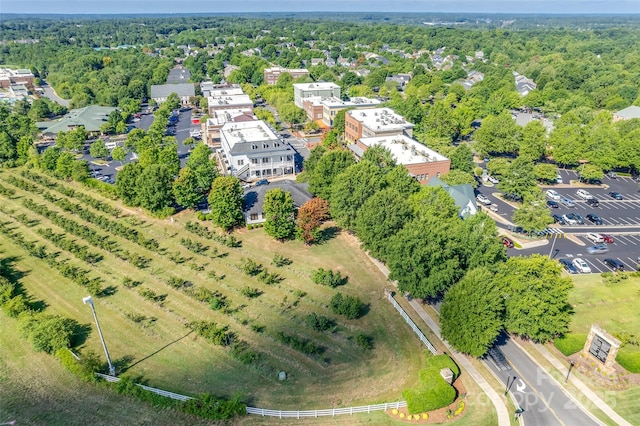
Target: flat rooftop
315,86
380,119
218,118
230,100
333,102
247,131
225,91
404,149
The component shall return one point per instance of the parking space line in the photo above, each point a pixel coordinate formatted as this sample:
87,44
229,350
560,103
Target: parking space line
634,263
604,266
620,239
592,265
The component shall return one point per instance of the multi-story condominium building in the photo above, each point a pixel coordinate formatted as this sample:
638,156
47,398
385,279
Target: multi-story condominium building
252,150
367,123
331,106
422,162
271,75
307,90
19,76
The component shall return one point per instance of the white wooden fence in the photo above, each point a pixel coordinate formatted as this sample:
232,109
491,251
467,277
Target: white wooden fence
324,413
413,326
148,388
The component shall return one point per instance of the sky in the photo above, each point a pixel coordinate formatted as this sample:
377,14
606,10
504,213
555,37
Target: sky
242,6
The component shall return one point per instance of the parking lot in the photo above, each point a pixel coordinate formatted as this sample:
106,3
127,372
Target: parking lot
621,220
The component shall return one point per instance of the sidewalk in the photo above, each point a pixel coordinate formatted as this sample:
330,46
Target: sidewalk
579,384
461,359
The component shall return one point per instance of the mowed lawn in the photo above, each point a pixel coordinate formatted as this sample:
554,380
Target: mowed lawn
616,308
163,352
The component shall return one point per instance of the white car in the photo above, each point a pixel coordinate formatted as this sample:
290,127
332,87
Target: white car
492,179
553,194
483,199
583,194
569,220
581,265
595,238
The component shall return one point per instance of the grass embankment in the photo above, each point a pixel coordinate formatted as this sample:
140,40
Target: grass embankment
149,339
614,307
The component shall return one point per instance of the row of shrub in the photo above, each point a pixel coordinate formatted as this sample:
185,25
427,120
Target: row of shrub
71,193
7,192
204,232
300,344
78,250
73,273
254,269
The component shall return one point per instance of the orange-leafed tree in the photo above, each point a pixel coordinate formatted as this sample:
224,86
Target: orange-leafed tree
310,216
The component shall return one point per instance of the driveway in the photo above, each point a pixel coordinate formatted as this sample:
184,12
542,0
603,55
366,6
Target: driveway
51,94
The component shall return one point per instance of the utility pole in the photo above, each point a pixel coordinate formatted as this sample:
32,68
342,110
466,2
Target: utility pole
571,364
89,301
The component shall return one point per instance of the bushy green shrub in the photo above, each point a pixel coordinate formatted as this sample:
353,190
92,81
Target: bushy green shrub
249,267
629,359
243,353
85,368
280,261
433,391
214,408
250,292
365,342
212,332
48,333
218,302
570,343
328,277
319,322
348,306
305,346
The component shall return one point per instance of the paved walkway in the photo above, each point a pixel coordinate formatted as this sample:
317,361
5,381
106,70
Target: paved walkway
463,361
579,384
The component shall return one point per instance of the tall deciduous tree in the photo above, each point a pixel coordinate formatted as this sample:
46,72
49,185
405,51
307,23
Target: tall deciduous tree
351,189
536,297
203,166
498,134
279,214
225,202
119,154
310,216
325,171
126,186
471,313
98,149
185,188
533,215
154,188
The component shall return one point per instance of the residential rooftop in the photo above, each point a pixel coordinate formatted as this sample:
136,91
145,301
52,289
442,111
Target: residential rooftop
248,131
230,100
333,102
315,86
164,90
404,149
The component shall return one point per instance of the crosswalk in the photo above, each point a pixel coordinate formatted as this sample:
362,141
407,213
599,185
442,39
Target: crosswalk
552,231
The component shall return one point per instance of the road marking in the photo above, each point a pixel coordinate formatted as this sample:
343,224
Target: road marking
520,387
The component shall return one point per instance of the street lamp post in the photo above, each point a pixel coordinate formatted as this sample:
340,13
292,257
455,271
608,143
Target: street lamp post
89,301
571,364
509,384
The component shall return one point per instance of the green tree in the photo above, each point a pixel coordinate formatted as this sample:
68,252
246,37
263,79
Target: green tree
351,189
589,172
80,170
155,188
126,184
203,165
545,172
119,154
381,216
471,313
64,164
279,214
536,297
75,139
225,202
533,141
326,169
98,149
519,180
533,216
49,158
48,333
186,190
498,134
458,177
462,158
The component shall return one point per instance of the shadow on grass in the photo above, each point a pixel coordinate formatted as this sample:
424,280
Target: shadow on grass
125,367
327,234
81,334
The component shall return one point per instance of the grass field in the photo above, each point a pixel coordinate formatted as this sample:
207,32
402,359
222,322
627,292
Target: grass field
161,351
615,308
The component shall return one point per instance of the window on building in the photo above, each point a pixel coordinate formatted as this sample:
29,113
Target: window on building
240,162
438,174
289,158
265,145
254,216
254,161
265,160
253,146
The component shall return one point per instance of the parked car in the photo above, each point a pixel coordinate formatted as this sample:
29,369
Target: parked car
569,219
594,218
616,195
597,249
559,179
552,204
513,197
567,202
492,179
594,238
508,243
614,264
581,265
578,218
262,182
558,219
493,207
552,194
607,238
593,202
568,266
483,199
584,194
612,175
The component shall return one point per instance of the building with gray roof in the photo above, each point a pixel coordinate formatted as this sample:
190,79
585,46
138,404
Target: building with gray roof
462,195
628,113
91,118
254,198
160,92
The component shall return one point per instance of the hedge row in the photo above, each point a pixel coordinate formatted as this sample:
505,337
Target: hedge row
570,343
433,391
202,231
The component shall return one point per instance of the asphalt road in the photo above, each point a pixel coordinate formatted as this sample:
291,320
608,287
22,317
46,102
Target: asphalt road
544,401
49,93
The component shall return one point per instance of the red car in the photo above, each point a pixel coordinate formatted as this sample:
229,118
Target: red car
607,238
507,242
